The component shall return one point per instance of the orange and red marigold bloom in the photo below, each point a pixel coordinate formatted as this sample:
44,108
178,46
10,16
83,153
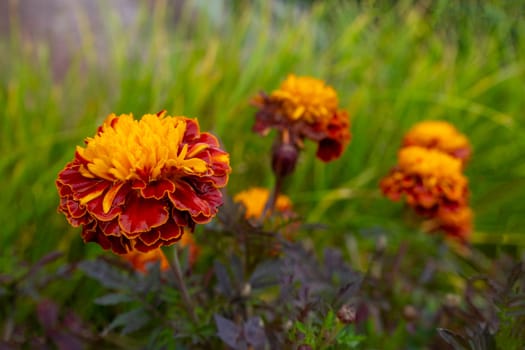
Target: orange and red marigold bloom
305,107
141,184
440,135
433,185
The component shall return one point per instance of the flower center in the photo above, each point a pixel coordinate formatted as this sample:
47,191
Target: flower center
306,98
148,149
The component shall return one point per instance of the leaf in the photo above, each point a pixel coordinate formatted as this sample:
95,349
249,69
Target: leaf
130,321
106,274
47,259
457,341
113,299
47,313
223,279
228,331
254,333
266,274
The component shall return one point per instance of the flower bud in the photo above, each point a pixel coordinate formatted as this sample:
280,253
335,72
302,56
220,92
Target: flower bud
284,159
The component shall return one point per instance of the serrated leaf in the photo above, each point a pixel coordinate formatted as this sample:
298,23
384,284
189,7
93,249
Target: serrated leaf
106,274
113,299
266,274
254,333
228,331
223,278
130,321
457,341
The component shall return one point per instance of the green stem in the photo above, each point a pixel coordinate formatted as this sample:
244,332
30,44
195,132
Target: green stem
177,272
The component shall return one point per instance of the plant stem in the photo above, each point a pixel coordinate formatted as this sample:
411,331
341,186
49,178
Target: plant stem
177,272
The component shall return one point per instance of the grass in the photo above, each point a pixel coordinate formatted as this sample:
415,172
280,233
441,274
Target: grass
391,65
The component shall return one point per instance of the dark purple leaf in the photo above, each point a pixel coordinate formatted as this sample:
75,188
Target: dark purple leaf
266,274
224,282
106,274
47,313
130,321
64,340
113,299
254,333
457,341
229,332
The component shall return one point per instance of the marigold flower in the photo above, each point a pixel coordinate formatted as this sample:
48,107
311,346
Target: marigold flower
305,107
455,222
255,198
306,98
440,135
141,184
140,260
428,179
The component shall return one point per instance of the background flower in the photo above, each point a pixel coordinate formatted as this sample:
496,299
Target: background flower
140,260
440,135
305,98
428,179
254,200
139,184
304,107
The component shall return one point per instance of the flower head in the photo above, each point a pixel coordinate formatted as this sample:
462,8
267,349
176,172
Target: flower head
306,98
141,184
439,135
428,179
305,108
255,198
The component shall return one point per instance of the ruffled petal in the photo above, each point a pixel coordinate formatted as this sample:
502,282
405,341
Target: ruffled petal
142,214
157,189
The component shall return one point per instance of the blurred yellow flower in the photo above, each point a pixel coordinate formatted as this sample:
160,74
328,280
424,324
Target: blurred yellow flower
255,198
306,98
439,135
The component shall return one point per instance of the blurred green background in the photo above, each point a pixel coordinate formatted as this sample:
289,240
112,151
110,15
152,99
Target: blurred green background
392,63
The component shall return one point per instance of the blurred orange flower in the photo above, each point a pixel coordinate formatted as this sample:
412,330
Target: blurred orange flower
429,180
456,222
140,184
255,198
439,135
304,107
140,260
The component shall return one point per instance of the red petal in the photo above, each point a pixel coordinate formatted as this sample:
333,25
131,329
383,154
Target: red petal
84,189
157,189
115,196
110,228
192,130
95,208
149,238
141,215
186,199
74,209
171,231
141,247
329,149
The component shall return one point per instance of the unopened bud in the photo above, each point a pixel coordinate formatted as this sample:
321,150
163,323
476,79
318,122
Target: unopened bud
284,158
